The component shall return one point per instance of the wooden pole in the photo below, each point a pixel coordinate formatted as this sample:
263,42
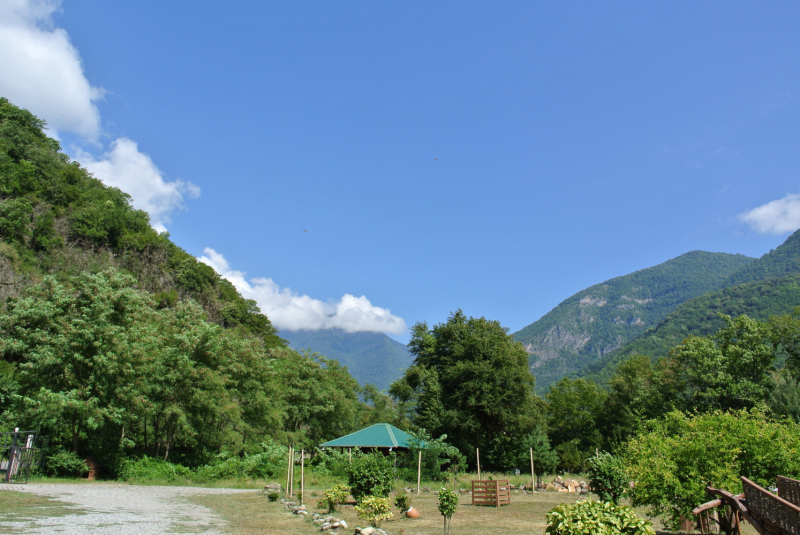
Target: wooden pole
291,487
419,470
478,456
533,476
288,469
302,476
350,455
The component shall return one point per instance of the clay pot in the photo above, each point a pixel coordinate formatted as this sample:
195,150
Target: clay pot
412,513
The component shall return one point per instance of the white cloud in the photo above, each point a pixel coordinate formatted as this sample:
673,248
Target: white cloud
42,71
134,172
775,217
290,311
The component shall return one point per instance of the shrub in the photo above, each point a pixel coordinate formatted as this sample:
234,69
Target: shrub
597,518
65,464
374,509
270,462
370,474
448,503
674,458
607,477
334,496
273,495
402,501
150,469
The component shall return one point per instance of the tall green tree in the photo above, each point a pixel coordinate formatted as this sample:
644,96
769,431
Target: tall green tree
731,368
470,381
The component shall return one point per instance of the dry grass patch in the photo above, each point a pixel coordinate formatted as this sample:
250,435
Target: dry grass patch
16,507
253,513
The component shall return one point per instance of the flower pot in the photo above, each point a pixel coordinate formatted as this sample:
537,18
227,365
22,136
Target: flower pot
412,513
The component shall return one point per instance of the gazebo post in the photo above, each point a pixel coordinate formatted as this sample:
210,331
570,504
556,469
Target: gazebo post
350,455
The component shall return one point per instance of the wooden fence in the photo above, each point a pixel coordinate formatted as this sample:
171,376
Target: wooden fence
495,493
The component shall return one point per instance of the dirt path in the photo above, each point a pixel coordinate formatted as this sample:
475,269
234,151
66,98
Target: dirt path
119,510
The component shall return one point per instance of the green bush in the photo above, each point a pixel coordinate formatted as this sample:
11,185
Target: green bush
150,469
374,509
65,464
334,496
448,503
597,518
370,474
607,477
674,458
402,501
267,464
273,495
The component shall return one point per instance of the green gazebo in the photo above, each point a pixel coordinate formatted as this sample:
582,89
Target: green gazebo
380,437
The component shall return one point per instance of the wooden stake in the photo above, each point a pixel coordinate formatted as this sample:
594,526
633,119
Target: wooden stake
533,476
288,469
291,478
419,470
350,455
478,456
302,476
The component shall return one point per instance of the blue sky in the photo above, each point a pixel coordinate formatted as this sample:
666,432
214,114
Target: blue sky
426,156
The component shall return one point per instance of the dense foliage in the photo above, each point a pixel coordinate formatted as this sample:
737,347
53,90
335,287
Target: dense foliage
470,381
608,477
374,509
701,317
371,474
597,518
599,319
674,458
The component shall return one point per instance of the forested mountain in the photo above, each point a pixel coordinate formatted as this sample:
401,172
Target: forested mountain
603,317
372,358
770,286
784,260
699,316
117,343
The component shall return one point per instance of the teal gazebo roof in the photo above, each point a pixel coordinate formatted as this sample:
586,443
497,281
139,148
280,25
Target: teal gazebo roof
374,436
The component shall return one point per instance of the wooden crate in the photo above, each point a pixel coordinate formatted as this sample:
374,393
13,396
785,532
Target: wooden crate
496,492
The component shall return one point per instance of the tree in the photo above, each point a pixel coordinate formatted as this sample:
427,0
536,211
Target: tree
470,381
573,410
731,368
674,458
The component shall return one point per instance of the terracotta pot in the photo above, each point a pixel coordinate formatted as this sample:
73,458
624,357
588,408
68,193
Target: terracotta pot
412,513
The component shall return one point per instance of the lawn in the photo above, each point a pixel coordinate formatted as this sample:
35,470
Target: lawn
23,507
252,513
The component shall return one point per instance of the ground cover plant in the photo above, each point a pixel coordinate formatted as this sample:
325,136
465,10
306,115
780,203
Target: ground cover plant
597,518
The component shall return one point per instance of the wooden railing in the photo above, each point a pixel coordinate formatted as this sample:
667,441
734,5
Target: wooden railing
495,492
768,513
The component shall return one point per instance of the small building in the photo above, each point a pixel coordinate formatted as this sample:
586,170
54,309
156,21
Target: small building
378,437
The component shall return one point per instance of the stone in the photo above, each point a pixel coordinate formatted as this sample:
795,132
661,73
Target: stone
335,525
343,524
368,531
302,512
426,489
325,527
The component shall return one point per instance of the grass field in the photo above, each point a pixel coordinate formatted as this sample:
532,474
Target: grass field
252,513
22,507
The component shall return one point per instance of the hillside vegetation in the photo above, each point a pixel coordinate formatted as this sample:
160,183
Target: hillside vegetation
118,344
600,319
762,289
371,358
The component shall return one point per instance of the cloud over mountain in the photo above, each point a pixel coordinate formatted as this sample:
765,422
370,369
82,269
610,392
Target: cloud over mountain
775,217
42,71
290,311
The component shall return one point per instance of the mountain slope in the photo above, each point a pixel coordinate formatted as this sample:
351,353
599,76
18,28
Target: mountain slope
603,317
770,286
370,357
57,219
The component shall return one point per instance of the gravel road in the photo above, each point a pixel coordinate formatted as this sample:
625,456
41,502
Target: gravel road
121,510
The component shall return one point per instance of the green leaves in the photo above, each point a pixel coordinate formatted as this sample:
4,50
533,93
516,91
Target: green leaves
448,502
673,460
607,477
370,474
597,518
470,381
